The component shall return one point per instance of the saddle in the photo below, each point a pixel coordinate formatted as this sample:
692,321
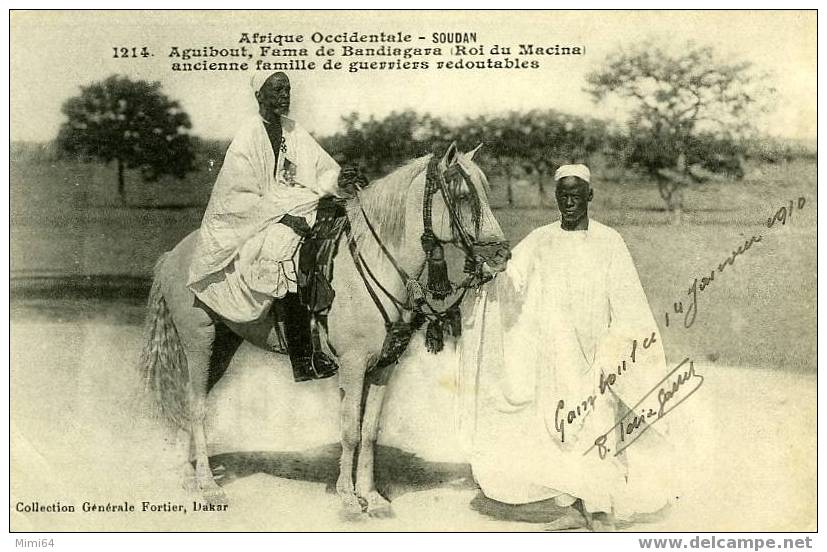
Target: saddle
315,271
315,276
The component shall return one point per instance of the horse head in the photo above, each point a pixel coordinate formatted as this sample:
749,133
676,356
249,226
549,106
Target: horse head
460,212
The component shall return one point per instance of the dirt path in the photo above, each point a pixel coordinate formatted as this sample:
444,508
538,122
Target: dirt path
77,435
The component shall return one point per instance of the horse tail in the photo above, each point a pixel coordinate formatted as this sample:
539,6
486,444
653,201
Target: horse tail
163,360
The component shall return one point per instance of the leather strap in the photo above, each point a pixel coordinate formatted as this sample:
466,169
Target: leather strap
360,267
402,274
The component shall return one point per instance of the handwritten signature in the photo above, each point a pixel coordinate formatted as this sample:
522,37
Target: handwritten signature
678,385
581,408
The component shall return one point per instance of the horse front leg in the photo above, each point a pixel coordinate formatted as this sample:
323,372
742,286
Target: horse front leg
351,383
377,505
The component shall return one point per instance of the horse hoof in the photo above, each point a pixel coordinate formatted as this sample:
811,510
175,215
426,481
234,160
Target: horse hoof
189,484
381,512
188,480
215,495
378,506
352,508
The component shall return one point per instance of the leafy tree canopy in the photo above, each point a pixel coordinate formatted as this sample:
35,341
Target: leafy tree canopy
130,122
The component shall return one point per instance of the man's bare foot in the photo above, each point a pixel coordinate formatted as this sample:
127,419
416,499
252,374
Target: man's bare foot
597,522
603,523
572,519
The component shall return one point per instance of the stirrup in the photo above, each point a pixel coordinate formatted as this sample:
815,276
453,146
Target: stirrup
324,366
314,367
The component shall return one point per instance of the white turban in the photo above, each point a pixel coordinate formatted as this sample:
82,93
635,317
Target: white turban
259,78
580,171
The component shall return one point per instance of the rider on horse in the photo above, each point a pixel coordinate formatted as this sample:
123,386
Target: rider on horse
262,205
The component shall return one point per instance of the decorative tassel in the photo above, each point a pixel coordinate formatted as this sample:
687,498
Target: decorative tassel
429,241
438,282
433,337
416,295
453,322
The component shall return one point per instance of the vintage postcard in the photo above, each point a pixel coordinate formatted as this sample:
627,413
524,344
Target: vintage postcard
413,271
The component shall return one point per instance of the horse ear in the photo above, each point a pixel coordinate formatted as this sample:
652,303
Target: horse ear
470,155
450,156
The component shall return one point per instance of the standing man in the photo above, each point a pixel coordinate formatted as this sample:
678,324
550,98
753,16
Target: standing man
565,315
263,202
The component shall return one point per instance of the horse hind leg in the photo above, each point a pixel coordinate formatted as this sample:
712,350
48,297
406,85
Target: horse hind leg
177,361
199,362
196,329
208,365
225,345
183,443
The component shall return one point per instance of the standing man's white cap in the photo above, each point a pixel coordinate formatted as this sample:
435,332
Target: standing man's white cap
580,171
259,78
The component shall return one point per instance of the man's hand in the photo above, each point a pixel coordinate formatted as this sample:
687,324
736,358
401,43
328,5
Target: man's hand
479,269
298,224
351,180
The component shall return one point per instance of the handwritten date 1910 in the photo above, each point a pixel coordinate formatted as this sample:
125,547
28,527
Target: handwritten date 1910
782,215
705,281
786,211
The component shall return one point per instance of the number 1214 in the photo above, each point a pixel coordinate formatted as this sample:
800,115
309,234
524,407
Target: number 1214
134,52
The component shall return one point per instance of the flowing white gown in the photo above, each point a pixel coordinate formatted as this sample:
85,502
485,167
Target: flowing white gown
568,308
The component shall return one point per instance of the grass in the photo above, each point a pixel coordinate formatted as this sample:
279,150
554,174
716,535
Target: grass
760,312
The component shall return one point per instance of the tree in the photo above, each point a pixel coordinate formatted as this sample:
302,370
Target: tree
534,143
494,157
131,123
378,145
516,145
689,109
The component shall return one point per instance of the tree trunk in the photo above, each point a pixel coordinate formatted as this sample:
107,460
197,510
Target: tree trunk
677,192
541,190
121,183
677,208
666,188
677,205
510,191
505,169
671,194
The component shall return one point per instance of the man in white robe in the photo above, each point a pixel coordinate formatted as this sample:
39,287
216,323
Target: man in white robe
568,316
262,204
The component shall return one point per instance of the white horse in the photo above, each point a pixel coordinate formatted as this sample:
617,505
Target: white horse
186,352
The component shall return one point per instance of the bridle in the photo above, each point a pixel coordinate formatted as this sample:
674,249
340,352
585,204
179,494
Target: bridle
438,286
437,181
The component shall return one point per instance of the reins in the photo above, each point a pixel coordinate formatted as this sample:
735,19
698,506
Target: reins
417,301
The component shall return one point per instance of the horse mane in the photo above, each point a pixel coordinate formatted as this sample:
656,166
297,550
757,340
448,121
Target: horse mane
385,202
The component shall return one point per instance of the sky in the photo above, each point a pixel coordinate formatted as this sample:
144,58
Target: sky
54,53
